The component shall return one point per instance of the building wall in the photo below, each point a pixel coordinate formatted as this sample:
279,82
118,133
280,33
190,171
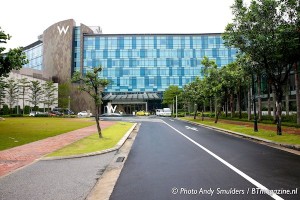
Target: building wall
35,57
80,100
57,50
152,62
30,75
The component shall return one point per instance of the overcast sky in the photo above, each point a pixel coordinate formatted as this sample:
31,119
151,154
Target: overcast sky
25,20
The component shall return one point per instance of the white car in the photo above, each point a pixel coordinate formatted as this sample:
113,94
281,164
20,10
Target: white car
34,113
84,114
158,112
166,112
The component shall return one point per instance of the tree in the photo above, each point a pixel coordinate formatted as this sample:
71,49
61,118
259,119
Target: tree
3,87
170,93
214,84
267,33
49,90
195,92
13,59
93,85
12,92
23,86
35,93
233,81
64,91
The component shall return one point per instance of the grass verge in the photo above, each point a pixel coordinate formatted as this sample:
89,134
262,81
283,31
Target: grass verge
286,138
111,136
18,131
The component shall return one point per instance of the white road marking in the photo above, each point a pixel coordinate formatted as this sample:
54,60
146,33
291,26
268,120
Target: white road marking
192,128
172,120
245,176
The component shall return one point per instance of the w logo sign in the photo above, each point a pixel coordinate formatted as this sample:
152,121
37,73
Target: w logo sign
62,29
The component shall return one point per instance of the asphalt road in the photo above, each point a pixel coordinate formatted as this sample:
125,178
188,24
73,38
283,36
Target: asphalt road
68,179
177,160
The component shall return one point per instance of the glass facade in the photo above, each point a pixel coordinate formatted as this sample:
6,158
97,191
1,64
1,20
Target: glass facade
35,57
151,63
76,50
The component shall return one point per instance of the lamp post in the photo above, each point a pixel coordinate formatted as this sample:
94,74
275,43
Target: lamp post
254,105
176,106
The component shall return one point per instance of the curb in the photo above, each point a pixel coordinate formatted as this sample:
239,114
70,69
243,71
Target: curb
289,146
106,183
117,147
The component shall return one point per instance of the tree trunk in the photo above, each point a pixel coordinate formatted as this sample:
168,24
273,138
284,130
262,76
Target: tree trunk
259,98
279,96
269,99
210,105
274,103
278,117
216,106
217,116
195,111
239,102
231,105
202,115
226,108
97,122
249,104
287,98
23,102
297,84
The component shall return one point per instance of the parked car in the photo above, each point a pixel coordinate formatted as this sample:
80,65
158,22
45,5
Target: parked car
34,113
158,112
38,114
64,111
84,114
55,113
68,112
140,113
166,112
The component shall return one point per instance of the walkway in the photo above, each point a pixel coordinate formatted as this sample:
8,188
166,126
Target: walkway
17,157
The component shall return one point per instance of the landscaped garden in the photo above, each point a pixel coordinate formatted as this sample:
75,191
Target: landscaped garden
18,131
290,135
111,136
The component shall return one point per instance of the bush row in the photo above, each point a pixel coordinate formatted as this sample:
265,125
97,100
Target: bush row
290,118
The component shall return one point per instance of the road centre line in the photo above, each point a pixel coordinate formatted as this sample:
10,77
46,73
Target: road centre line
245,176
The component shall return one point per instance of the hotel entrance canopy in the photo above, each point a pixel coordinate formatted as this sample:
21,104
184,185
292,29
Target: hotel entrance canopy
131,97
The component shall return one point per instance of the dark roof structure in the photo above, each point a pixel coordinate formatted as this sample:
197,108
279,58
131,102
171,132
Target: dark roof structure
131,97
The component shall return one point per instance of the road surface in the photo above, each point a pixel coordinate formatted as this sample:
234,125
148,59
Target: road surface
172,159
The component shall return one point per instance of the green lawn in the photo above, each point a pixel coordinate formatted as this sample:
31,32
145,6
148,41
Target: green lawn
111,136
18,131
266,134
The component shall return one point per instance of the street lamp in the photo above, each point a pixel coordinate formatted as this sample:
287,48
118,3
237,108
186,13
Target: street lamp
176,106
254,105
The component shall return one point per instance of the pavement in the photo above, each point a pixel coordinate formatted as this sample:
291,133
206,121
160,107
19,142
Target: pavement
21,156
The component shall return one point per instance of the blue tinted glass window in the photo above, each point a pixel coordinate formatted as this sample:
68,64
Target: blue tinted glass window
152,62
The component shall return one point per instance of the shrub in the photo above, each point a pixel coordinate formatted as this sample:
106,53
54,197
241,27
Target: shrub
289,118
35,108
16,109
42,115
181,114
16,115
5,110
26,109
